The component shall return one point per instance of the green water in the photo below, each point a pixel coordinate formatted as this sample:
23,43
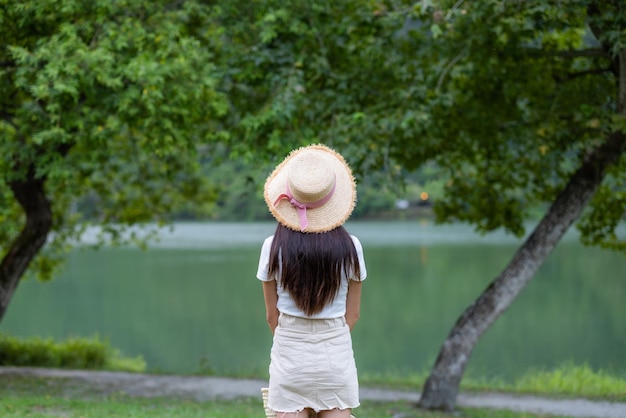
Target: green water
192,301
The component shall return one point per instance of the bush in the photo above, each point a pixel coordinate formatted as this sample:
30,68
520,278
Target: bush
74,353
570,378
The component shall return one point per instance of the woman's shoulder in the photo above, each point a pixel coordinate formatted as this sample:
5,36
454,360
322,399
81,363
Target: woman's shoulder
356,242
267,243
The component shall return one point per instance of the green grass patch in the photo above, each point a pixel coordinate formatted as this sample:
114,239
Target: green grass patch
73,353
32,396
571,379
123,406
568,380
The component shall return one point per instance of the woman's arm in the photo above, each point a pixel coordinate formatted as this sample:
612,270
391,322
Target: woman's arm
270,294
353,303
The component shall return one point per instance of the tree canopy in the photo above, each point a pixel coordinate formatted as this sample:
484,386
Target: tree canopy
507,97
113,100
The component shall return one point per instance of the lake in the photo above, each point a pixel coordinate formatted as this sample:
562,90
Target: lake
191,302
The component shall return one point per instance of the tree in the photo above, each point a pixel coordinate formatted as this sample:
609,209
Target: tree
523,103
556,86
112,100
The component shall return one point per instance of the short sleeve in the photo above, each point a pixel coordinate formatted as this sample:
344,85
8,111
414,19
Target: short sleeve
264,260
359,252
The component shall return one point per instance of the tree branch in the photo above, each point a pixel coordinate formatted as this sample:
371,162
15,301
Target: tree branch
593,11
572,76
621,92
29,192
588,72
448,67
456,6
594,52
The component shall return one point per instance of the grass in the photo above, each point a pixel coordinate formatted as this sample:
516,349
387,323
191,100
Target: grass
39,406
573,380
243,408
568,380
33,397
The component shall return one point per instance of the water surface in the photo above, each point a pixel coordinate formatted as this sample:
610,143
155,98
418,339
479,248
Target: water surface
192,302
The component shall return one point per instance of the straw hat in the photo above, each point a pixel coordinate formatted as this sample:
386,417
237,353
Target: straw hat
312,190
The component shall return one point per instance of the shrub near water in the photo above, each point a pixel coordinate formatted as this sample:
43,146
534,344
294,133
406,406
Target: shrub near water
73,353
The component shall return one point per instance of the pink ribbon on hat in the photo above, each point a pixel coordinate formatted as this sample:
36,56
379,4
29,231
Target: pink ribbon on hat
302,207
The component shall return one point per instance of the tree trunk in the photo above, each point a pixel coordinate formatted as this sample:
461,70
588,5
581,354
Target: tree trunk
442,386
30,194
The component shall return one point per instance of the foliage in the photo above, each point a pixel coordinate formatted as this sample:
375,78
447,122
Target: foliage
238,187
120,105
73,353
530,94
506,98
112,100
239,191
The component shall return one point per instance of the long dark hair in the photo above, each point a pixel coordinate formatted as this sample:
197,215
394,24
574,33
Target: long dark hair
311,265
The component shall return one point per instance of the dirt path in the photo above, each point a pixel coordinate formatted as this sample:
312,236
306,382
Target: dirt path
207,388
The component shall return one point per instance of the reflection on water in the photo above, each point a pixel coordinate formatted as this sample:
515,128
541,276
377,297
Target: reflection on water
192,299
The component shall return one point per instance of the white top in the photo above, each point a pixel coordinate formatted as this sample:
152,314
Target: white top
285,304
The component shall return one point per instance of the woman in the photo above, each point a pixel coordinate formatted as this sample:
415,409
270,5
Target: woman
312,271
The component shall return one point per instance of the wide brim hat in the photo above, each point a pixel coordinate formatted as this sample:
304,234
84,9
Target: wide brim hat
312,190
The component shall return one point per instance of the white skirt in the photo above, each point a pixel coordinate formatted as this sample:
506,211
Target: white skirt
312,366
